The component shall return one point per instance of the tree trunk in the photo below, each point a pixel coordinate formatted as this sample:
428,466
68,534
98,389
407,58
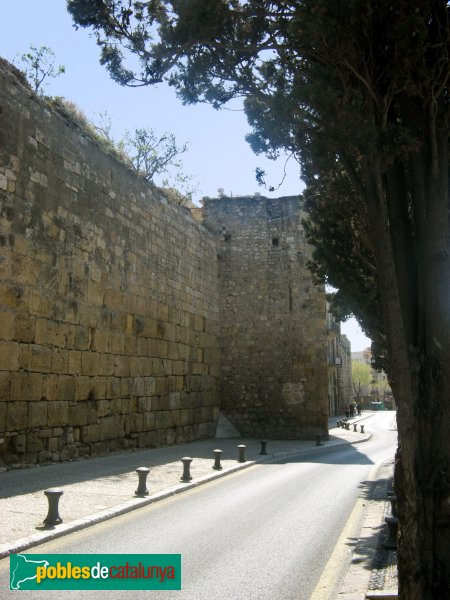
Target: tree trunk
417,321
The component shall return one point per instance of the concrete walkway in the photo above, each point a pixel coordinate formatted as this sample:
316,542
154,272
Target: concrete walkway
98,489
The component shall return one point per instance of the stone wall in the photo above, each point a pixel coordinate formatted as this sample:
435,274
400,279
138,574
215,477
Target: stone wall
108,297
344,373
273,319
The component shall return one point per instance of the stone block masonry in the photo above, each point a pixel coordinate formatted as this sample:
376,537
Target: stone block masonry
109,300
126,323
273,337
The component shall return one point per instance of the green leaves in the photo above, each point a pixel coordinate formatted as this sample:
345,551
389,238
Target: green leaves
343,88
38,65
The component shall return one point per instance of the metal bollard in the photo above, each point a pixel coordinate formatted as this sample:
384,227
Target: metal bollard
338,423
186,460
142,487
217,454
392,523
318,439
362,428
393,500
241,449
53,496
263,447
347,426
355,425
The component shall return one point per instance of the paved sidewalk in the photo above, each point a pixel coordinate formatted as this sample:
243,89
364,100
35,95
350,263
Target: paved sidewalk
98,489
372,574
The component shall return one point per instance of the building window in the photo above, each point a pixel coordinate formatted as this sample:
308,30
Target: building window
275,241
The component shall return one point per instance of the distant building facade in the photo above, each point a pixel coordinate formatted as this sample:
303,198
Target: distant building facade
339,368
378,388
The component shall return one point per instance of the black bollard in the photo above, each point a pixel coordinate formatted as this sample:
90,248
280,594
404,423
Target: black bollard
355,425
142,487
393,500
241,449
362,428
186,460
392,523
318,439
53,496
263,447
217,454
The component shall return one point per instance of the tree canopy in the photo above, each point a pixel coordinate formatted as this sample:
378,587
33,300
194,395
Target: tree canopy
358,92
335,86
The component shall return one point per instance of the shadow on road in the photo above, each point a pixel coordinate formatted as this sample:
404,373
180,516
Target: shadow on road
24,481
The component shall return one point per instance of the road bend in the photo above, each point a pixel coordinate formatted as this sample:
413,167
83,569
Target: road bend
263,533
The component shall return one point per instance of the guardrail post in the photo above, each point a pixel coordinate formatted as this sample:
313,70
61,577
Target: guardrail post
142,487
217,454
186,460
53,496
241,449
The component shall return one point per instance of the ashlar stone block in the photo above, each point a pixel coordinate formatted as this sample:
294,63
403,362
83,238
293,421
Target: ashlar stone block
17,416
57,413
37,415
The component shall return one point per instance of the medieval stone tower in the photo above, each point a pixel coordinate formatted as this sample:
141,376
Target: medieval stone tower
273,319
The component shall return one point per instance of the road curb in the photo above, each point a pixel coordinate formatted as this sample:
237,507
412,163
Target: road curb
134,503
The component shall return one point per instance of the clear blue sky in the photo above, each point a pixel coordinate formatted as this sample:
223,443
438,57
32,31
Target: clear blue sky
219,156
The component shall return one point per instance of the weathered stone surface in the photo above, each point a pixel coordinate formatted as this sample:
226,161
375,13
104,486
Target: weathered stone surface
9,356
57,413
6,324
34,443
78,414
2,416
110,299
273,319
26,386
37,414
16,416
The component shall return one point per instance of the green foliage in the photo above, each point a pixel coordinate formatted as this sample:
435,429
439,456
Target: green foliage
358,94
361,376
75,116
151,154
154,158
358,91
38,65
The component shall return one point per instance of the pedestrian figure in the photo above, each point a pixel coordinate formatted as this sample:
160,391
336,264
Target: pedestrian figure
352,410
347,411
358,408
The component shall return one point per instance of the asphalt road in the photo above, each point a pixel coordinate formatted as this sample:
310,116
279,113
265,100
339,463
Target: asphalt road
263,533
